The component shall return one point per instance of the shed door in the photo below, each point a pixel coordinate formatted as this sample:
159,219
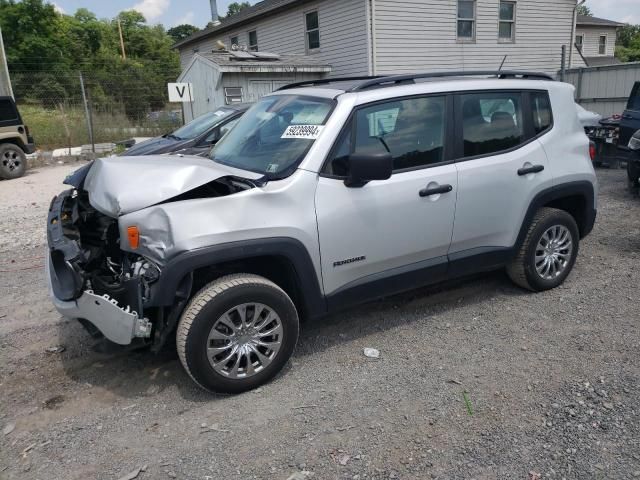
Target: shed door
258,89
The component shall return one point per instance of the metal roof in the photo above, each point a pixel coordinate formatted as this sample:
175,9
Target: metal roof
266,7
601,61
586,20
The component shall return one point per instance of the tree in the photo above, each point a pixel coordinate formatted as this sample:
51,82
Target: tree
237,7
584,10
181,32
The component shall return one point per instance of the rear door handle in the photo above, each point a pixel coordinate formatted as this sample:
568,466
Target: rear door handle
527,170
429,192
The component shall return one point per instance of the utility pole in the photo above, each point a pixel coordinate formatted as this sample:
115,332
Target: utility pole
124,54
5,80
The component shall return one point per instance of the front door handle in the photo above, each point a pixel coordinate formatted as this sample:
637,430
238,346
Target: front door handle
527,170
429,192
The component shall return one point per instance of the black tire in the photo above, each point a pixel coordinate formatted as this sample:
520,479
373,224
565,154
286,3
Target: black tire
212,302
522,270
13,161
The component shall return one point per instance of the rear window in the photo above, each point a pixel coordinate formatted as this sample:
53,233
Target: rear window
7,110
634,99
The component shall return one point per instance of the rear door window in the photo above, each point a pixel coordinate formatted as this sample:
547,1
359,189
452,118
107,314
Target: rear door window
492,122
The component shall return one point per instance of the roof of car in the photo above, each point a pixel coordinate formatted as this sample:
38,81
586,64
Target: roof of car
359,84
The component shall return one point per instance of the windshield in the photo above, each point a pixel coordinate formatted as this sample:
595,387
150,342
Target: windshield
274,135
201,124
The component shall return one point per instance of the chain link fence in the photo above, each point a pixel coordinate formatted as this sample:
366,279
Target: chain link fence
71,109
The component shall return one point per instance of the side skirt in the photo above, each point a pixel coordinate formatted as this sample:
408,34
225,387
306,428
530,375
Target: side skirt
421,274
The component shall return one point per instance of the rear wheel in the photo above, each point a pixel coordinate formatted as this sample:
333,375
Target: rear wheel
548,253
13,161
237,333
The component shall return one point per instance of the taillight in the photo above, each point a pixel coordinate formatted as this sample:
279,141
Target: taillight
592,151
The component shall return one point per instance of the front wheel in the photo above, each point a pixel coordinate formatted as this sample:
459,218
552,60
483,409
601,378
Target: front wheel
237,333
633,174
548,253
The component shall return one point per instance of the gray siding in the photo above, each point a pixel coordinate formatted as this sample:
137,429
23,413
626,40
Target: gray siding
604,89
422,35
343,35
592,40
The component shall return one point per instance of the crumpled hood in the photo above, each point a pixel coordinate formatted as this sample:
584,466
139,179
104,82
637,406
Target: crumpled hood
121,185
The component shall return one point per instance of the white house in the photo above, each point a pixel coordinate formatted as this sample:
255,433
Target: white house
365,37
595,42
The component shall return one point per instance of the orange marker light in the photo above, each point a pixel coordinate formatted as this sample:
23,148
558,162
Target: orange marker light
134,237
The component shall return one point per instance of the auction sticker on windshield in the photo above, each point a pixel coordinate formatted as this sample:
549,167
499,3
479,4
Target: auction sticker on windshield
309,132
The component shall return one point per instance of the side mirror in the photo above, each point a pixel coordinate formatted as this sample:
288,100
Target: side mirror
366,168
634,143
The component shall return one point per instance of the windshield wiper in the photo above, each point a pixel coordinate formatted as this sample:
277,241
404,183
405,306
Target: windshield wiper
171,135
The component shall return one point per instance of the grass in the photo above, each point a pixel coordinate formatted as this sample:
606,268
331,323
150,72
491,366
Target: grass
67,127
467,403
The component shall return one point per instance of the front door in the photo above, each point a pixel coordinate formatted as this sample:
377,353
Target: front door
376,237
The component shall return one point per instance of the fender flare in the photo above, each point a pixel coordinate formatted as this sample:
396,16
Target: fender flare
163,292
584,189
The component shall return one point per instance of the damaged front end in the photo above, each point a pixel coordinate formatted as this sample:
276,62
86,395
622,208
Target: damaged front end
95,273
90,276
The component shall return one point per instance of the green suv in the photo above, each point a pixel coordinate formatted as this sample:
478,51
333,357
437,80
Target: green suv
15,141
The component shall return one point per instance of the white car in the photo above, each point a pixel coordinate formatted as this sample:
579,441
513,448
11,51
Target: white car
323,196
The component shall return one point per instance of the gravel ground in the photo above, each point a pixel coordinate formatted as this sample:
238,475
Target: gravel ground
477,379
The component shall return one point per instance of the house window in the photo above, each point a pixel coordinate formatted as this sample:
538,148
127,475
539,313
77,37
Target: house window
602,45
466,20
507,27
253,41
235,41
313,30
579,42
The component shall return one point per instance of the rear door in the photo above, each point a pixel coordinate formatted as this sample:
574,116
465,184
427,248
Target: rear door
630,122
501,168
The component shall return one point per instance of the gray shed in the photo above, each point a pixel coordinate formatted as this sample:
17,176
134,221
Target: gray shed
221,77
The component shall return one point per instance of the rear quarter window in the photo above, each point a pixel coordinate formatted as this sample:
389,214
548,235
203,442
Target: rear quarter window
8,112
542,113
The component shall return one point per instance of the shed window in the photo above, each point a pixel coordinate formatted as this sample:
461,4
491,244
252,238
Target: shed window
602,45
235,41
579,42
507,26
233,95
313,30
253,41
466,20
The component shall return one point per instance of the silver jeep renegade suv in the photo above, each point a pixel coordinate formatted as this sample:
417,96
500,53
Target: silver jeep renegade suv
325,195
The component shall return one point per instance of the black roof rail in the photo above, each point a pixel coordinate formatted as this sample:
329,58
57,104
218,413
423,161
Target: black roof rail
324,81
411,78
